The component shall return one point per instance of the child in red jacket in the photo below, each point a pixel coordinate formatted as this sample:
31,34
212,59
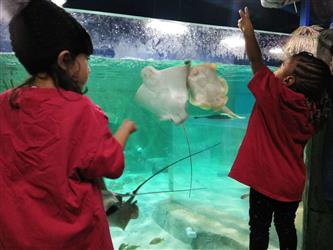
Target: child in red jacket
55,142
291,104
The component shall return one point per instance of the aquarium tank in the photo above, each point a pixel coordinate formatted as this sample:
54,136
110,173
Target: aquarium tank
190,203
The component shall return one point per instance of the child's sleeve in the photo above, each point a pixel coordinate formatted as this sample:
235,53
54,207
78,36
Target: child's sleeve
100,153
265,87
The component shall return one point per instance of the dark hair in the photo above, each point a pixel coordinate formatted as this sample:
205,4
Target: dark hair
41,30
59,76
314,80
38,33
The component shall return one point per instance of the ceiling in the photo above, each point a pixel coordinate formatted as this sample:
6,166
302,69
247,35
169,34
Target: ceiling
215,12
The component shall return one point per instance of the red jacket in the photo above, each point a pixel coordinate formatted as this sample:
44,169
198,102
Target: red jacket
270,158
51,150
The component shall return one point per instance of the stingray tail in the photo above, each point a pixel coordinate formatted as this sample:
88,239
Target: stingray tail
231,114
170,191
190,158
171,164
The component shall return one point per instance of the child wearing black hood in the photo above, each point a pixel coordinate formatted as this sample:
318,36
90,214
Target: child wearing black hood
55,142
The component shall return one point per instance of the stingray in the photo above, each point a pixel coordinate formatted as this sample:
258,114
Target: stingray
208,90
164,92
120,212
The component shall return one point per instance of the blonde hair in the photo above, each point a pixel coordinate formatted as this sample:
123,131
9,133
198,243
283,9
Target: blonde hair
304,38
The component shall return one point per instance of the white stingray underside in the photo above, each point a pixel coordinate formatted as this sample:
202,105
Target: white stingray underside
164,92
